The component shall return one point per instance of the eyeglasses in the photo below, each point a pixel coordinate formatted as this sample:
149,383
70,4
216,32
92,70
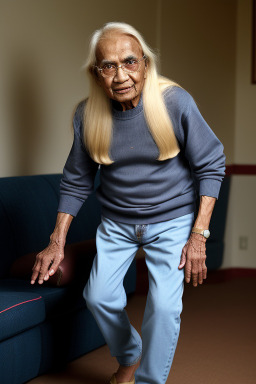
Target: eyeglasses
130,66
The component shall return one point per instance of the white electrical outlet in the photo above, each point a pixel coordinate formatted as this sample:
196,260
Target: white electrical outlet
243,242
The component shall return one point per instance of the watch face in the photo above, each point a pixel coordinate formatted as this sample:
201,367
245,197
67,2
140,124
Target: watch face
206,233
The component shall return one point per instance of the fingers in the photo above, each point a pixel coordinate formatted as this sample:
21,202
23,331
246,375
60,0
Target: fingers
36,270
193,270
204,270
54,267
197,273
183,258
46,264
44,270
195,267
46,276
200,276
188,270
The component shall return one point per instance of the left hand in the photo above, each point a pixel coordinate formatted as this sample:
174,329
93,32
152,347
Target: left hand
193,257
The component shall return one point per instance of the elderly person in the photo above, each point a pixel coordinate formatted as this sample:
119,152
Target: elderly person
156,154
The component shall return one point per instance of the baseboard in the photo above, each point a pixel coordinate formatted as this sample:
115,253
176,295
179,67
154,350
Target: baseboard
226,274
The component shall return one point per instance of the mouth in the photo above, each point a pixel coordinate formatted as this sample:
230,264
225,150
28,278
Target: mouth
123,90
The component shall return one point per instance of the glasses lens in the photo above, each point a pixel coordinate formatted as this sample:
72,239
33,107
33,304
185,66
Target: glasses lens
131,66
108,70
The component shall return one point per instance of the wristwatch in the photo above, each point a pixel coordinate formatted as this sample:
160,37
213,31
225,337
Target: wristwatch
203,232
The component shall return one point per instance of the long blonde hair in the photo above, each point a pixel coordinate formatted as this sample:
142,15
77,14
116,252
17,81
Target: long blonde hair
97,117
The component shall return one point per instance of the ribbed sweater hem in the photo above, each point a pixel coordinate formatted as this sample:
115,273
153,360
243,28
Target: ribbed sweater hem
174,213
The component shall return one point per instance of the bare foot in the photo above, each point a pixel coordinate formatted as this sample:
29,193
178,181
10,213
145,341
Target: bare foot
124,373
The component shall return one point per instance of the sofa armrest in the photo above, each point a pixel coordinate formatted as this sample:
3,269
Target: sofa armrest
75,256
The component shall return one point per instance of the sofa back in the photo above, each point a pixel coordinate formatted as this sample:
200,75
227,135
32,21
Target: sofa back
215,244
219,215
28,212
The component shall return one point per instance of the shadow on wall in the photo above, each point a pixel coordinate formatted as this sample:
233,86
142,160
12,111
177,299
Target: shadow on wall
25,112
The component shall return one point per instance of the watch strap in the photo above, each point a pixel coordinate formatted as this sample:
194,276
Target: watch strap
198,230
204,232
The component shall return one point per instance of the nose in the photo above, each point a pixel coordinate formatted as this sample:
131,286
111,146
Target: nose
121,76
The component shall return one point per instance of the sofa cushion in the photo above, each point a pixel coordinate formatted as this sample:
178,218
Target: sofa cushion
66,299
19,311
57,300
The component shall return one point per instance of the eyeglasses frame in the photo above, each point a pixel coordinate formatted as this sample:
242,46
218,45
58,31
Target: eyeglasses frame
120,66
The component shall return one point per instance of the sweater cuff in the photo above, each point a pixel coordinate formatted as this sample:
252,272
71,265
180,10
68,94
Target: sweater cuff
209,187
69,204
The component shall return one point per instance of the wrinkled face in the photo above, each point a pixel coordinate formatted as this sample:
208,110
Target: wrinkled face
126,88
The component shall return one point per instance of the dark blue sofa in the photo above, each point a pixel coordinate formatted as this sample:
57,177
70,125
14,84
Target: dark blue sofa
42,326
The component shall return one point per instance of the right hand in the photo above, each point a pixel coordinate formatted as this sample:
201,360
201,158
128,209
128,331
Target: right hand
49,258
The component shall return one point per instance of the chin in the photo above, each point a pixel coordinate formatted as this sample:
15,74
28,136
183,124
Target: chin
126,97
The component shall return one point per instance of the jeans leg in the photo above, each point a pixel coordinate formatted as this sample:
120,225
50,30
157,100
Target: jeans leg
161,321
104,291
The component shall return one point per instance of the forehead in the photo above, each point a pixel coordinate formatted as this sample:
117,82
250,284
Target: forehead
116,46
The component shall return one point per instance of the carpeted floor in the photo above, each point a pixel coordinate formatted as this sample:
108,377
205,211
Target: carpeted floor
217,342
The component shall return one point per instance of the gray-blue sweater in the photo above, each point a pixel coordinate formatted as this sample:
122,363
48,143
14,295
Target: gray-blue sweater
137,188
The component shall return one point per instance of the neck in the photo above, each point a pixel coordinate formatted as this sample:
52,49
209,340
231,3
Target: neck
129,105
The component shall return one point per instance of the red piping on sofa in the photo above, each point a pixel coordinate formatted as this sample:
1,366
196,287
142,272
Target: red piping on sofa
23,302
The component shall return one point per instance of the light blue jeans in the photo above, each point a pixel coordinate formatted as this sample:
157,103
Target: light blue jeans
117,244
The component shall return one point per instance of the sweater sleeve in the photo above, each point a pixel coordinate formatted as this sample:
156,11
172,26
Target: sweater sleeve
79,171
203,150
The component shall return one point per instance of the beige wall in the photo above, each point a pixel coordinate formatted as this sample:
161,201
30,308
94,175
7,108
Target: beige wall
43,44
242,207
198,51
245,127
240,223
206,47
